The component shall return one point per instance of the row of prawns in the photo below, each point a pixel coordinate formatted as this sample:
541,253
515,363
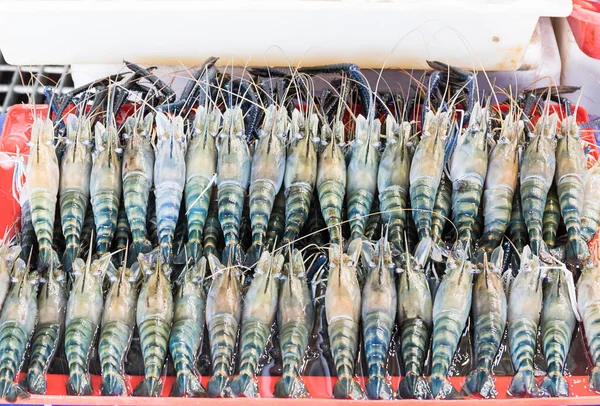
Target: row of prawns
206,174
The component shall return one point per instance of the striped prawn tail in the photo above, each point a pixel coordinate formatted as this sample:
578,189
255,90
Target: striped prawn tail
392,203
533,201
112,349
168,204
183,344
518,228
551,218
522,335
262,198
73,205
446,335
466,198
415,341
377,327
422,199
43,209
231,204
331,198
252,344
496,214
297,205
556,340
44,345
276,222
136,192
106,212
589,227
212,232
85,239
222,330
343,339
441,209
154,338
197,202
79,337
359,208
13,341
294,340
571,195
489,333
122,233
591,324
28,238
594,378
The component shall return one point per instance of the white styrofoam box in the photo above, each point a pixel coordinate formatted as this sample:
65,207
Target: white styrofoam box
485,34
541,65
578,69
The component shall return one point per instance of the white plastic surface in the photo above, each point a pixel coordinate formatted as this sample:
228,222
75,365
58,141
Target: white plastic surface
578,69
481,34
541,65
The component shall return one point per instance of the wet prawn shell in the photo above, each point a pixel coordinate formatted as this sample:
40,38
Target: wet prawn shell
556,307
105,178
155,299
454,294
169,165
21,306
260,303
76,168
362,169
269,159
427,161
379,297
414,298
525,297
301,164
87,304
570,159
343,297
489,296
190,304
590,217
45,172
332,165
394,168
295,303
503,167
588,290
4,281
233,164
139,159
201,158
120,304
52,302
588,305
592,187
539,163
570,175
470,158
224,297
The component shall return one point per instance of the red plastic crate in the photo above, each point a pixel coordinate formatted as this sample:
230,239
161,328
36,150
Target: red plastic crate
17,131
319,387
585,24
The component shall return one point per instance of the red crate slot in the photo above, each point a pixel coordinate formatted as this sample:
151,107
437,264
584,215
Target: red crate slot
17,126
319,387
